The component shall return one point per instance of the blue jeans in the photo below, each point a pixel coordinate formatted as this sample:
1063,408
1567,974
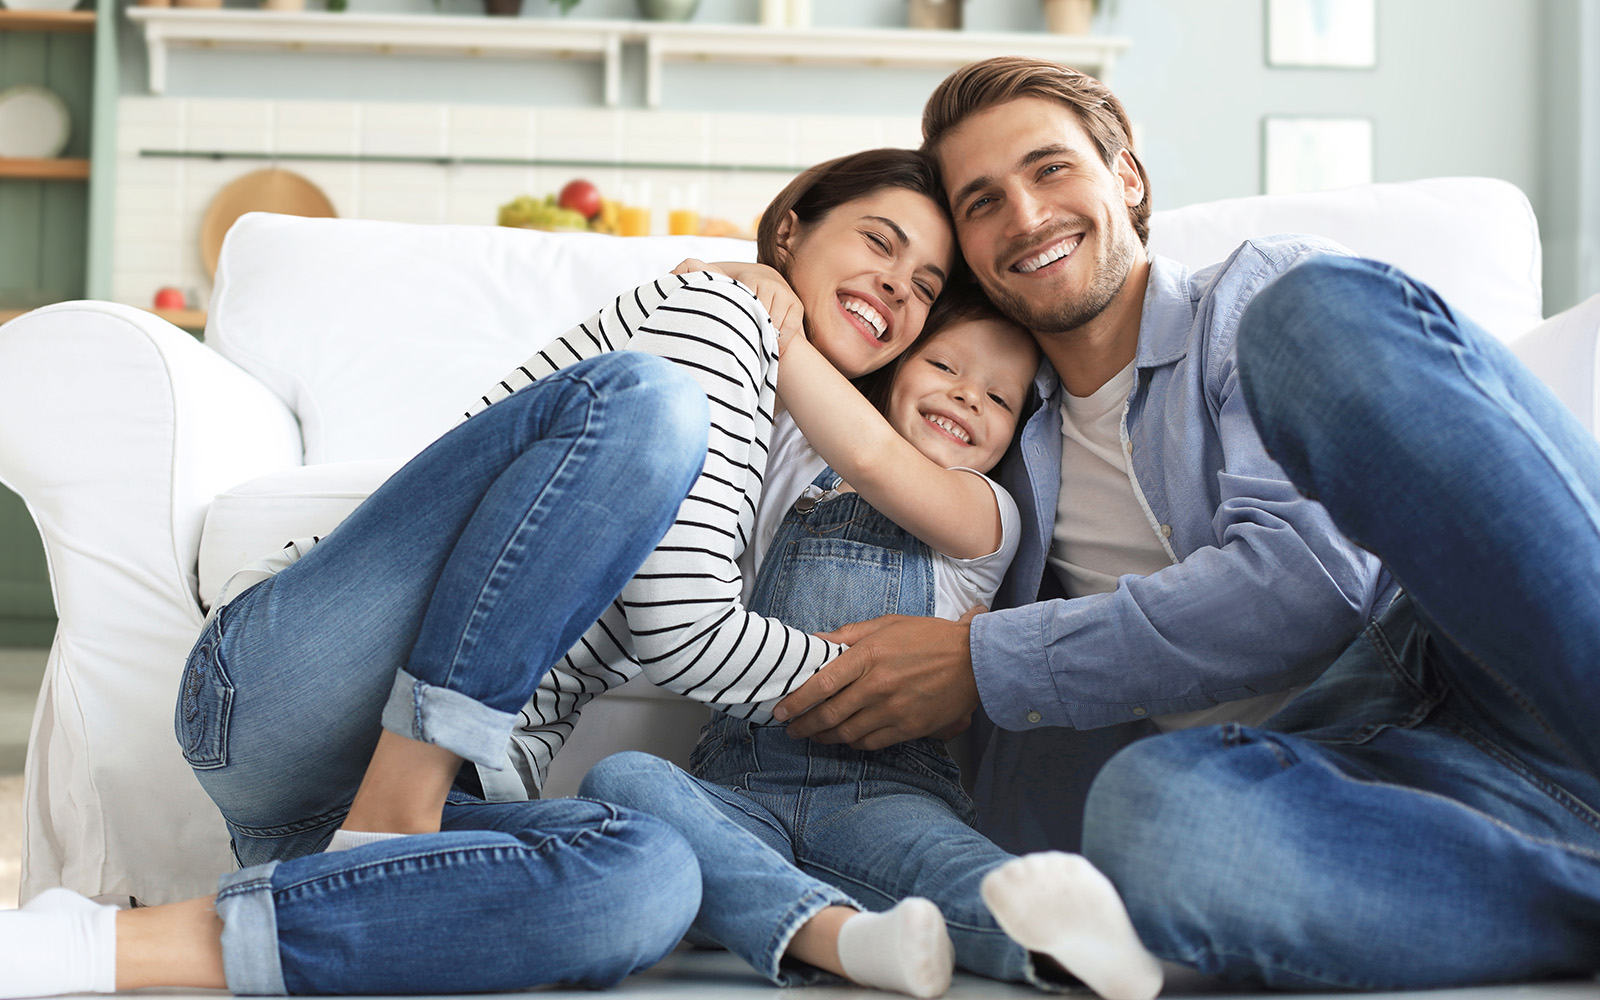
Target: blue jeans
1427,814
433,611
786,827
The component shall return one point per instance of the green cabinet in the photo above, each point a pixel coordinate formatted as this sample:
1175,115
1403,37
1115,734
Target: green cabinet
54,238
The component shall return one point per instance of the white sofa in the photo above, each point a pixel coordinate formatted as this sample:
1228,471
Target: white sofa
155,465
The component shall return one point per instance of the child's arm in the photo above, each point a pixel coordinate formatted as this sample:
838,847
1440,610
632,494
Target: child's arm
952,510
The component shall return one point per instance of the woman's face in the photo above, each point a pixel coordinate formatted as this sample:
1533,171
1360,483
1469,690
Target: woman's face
866,274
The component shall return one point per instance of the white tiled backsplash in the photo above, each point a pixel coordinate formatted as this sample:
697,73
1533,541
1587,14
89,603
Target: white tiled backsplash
161,201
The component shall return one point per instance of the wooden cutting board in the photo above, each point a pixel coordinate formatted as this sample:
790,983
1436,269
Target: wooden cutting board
282,191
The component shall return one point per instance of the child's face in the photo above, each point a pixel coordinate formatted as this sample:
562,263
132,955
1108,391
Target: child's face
957,398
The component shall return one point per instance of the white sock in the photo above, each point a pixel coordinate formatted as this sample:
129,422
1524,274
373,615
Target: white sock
59,943
344,839
905,949
1062,906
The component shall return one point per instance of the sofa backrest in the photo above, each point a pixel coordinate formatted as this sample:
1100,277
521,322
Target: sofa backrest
1475,240
378,335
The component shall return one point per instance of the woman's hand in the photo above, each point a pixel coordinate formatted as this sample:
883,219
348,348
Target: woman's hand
770,288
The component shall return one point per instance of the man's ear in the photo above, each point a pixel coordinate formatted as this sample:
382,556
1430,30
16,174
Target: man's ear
788,229
1127,170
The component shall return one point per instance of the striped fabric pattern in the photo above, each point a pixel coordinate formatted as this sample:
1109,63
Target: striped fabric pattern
680,621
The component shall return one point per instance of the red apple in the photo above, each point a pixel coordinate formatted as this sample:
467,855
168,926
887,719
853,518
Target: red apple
582,197
169,298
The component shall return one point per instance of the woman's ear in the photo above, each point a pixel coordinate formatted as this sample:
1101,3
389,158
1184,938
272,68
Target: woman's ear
788,229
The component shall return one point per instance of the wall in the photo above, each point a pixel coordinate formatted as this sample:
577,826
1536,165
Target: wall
162,201
1458,88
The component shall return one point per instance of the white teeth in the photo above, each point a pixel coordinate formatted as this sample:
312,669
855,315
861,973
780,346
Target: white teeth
1050,256
867,313
948,425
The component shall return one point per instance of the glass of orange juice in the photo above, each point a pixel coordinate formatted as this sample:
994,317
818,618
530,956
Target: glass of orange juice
683,215
634,220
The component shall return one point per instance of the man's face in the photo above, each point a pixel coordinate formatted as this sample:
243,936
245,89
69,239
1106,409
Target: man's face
1042,220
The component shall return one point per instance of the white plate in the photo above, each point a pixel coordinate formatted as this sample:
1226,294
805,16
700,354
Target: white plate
39,4
33,123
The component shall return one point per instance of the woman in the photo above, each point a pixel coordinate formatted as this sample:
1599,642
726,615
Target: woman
337,691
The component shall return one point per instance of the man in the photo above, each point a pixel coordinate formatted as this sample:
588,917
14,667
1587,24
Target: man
1427,812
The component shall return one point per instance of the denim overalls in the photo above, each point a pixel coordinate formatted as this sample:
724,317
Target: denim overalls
878,825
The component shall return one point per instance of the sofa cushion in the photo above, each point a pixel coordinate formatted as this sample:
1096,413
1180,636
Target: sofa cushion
378,334
1473,239
1564,351
255,518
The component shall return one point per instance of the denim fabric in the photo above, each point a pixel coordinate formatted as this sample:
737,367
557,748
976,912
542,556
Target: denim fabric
841,562
1427,814
505,896
785,827
434,609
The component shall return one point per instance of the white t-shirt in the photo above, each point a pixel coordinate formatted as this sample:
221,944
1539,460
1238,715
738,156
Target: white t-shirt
1104,529
959,583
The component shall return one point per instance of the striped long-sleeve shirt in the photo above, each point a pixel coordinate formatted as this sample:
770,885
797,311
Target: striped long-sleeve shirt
680,621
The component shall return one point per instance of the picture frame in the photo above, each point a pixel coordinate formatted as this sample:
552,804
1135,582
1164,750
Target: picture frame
1302,154
1337,34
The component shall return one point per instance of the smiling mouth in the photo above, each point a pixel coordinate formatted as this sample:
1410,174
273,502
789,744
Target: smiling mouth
868,315
1049,255
949,426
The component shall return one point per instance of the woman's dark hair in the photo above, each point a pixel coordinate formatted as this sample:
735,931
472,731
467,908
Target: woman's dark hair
824,187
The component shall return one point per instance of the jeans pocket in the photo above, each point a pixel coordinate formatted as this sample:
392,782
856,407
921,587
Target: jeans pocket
205,702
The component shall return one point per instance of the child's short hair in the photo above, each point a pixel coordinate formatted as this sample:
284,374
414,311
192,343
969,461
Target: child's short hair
960,302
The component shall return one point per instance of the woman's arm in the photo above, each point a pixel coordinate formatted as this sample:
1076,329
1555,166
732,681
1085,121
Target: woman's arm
952,510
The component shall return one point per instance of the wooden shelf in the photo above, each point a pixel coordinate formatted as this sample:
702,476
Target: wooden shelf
76,21
186,319
167,28
45,170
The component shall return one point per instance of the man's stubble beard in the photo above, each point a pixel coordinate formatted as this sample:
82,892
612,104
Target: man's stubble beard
1064,316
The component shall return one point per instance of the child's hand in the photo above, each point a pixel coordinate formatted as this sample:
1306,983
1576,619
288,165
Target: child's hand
771,290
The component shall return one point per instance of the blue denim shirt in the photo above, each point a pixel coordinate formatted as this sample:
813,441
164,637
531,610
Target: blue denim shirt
1264,591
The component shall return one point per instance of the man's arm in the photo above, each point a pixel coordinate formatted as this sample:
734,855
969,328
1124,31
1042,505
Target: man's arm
1265,604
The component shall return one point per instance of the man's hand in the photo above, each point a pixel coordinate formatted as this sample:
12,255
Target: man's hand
901,678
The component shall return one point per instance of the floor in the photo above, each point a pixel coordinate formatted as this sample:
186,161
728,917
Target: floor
685,974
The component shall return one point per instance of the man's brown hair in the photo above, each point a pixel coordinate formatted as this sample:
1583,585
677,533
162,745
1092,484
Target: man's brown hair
981,85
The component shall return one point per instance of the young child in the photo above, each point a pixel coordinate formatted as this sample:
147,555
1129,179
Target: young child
796,839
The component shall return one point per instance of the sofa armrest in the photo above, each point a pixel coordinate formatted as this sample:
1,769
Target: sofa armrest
1564,351
117,429
120,428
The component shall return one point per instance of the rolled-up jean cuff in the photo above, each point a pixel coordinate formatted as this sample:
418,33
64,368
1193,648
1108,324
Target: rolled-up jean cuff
465,726
809,906
250,932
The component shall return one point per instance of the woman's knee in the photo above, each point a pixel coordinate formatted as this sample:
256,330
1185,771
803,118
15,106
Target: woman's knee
649,413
